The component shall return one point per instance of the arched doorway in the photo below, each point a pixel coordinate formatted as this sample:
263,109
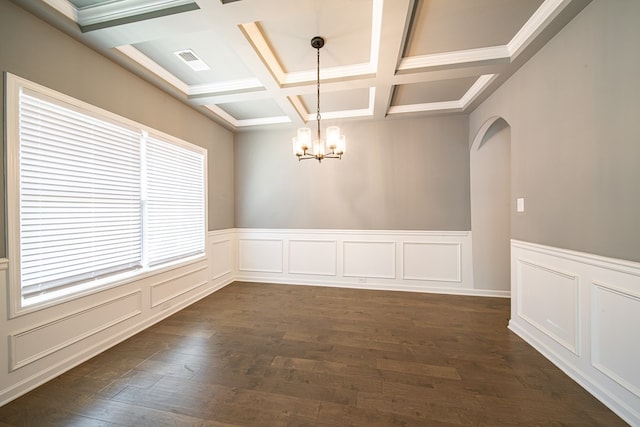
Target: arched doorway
490,173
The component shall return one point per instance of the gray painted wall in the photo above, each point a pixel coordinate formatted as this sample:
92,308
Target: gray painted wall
36,51
575,134
490,165
410,174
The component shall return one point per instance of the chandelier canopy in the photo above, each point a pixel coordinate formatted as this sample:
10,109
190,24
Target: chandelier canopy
334,145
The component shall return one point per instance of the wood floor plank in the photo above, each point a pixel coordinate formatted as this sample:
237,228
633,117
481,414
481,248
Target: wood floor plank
255,354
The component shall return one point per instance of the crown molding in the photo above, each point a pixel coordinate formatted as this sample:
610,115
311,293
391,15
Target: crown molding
225,86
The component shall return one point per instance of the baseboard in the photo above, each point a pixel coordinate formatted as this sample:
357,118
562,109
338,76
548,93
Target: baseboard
379,287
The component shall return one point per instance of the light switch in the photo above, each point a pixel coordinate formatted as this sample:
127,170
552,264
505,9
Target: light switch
520,204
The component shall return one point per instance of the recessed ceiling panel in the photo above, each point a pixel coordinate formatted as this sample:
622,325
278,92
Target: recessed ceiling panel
452,25
356,99
257,109
428,92
223,62
345,26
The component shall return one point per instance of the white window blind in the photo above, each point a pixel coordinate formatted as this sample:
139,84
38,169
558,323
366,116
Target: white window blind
175,202
80,197
93,200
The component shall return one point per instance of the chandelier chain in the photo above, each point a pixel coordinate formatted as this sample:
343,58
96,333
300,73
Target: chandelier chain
318,90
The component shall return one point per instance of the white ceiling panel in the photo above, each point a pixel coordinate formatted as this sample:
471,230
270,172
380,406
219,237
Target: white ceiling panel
224,63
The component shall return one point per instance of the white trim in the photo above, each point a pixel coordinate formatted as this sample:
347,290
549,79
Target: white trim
476,89
429,106
455,57
536,23
458,260
367,275
309,76
589,272
614,264
14,337
573,346
364,273
330,231
376,33
595,348
333,260
182,275
255,37
263,121
376,286
226,86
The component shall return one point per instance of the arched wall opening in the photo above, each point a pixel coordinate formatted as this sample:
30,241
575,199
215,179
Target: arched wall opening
490,174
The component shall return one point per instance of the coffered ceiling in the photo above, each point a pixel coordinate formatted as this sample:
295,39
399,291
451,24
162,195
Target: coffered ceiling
249,64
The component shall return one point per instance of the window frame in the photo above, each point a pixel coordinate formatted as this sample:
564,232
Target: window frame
16,307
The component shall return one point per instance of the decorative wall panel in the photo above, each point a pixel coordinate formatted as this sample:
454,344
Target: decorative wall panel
432,261
556,316
315,257
164,291
45,339
616,315
370,259
262,255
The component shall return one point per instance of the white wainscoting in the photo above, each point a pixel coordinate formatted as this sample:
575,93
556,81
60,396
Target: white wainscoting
582,312
43,344
421,261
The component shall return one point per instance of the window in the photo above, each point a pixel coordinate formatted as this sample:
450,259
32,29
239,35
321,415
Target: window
94,198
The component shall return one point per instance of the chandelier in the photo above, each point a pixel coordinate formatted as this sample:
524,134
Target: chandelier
334,145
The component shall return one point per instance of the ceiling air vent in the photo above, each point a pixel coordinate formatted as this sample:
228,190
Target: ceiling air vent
192,60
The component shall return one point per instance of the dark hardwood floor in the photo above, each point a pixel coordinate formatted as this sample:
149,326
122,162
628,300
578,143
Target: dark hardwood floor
277,355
